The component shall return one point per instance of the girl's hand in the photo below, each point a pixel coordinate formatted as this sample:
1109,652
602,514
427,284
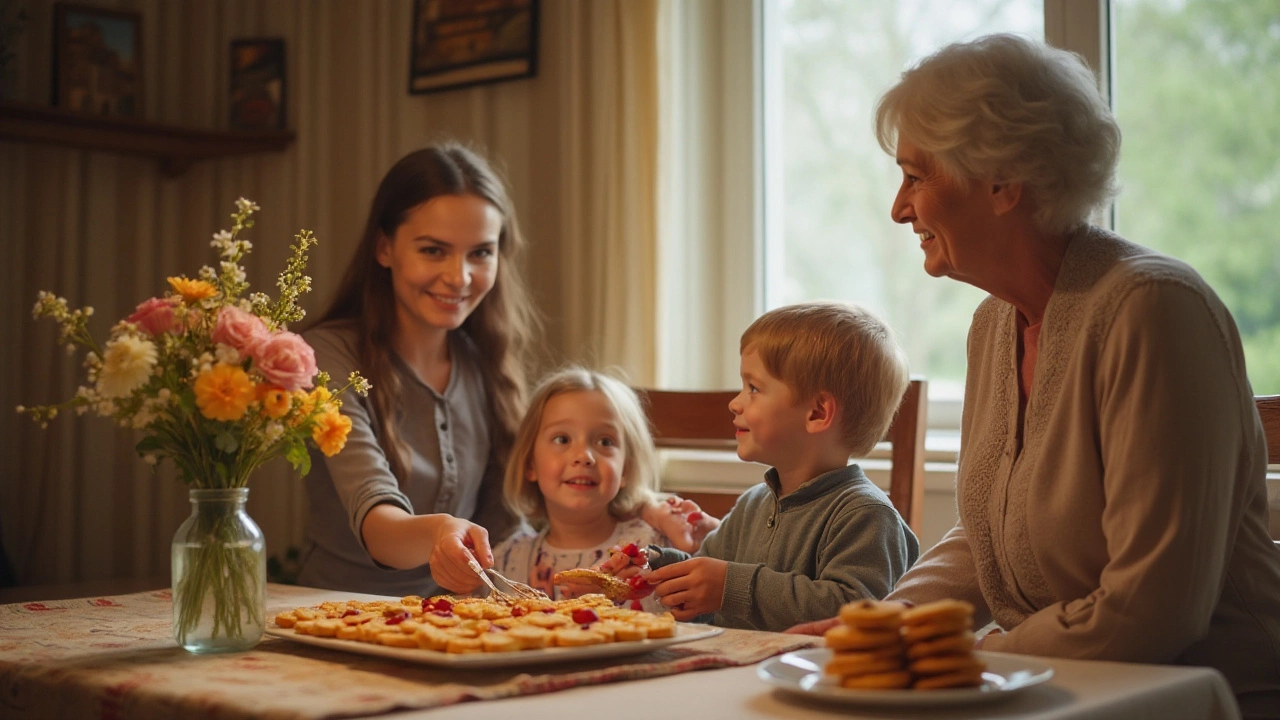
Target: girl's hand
680,520
817,627
690,588
456,542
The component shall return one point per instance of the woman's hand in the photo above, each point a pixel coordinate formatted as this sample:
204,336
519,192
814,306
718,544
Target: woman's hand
994,631
817,627
456,542
397,539
680,520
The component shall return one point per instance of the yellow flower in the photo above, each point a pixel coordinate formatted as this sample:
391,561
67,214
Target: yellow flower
319,397
330,432
224,392
306,403
192,290
275,401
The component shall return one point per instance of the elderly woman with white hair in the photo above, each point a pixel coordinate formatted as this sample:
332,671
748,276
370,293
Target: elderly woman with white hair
1111,484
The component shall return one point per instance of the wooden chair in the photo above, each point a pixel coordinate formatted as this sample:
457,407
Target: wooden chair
1269,411
701,419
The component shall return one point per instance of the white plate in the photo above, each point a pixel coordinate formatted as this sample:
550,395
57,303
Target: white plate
801,673
684,633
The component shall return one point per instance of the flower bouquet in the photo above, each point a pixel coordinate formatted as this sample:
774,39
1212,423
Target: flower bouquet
217,385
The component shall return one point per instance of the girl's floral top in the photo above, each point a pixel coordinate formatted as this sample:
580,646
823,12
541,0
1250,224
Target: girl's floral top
528,557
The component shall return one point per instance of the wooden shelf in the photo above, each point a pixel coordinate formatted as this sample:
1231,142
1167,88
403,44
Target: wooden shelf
176,148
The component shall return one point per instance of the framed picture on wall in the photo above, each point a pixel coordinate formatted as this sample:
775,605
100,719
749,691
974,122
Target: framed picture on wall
97,60
257,99
457,43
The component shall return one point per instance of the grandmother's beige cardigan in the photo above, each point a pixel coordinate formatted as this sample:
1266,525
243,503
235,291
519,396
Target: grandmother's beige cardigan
1133,525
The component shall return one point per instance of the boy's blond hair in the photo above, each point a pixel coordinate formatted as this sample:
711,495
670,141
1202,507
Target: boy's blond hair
639,469
842,349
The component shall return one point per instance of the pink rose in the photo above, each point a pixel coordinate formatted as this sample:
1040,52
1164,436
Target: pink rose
154,316
286,360
239,329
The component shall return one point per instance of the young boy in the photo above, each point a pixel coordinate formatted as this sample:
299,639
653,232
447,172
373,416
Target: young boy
820,383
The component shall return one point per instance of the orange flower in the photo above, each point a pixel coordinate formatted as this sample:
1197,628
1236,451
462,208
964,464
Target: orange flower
275,401
224,392
192,290
330,432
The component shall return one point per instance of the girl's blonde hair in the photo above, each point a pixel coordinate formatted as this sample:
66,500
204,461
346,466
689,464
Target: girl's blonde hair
640,466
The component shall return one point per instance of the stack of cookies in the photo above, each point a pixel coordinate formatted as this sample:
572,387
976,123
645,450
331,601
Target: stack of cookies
886,646
868,651
939,639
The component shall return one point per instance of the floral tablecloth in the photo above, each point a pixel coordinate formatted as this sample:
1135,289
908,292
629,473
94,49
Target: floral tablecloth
114,657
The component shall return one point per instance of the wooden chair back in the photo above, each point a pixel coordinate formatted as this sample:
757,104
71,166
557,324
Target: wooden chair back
1269,411
701,419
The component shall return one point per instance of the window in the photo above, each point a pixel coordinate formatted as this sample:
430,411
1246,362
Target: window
828,186
1194,92
1194,86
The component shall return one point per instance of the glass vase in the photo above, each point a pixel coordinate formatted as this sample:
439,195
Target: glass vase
219,574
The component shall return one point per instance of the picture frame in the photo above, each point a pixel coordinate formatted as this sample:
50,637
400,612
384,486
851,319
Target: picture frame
257,97
460,43
97,60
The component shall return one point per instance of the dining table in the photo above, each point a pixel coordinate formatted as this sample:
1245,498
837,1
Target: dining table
114,657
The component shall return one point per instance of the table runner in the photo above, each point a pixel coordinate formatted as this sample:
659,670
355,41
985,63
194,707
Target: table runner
115,657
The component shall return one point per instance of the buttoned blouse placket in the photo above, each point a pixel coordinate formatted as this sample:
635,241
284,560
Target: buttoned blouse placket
448,464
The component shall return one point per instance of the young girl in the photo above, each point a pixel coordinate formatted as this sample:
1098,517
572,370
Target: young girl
432,312
584,468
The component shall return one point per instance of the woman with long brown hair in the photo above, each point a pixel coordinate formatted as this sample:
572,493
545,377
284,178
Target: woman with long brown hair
433,312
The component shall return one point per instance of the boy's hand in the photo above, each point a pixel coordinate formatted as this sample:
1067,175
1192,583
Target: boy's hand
624,562
627,563
690,588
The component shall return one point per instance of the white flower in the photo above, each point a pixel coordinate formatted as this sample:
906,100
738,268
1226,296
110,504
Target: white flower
233,271
360,384
272,432
150,459
127,364
228,355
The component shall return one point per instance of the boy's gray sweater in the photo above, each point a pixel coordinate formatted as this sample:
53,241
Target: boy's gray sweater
799,558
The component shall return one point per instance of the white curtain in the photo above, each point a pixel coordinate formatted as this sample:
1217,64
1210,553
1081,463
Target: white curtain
577,142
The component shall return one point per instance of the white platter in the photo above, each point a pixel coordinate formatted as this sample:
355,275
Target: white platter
800,673
684,633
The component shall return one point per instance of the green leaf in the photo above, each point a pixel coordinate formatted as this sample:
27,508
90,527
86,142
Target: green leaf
226,442
298,457
149,444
